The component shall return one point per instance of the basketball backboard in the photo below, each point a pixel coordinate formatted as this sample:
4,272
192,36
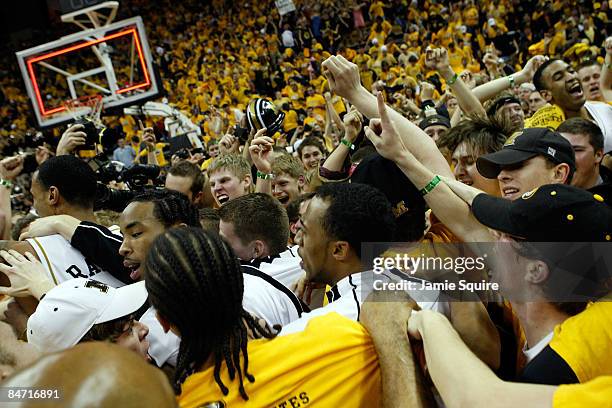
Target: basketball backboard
113,61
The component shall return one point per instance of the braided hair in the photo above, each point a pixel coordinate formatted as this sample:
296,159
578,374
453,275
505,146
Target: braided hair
170,207
195,281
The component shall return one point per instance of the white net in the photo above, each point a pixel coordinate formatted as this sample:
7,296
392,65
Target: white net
88,107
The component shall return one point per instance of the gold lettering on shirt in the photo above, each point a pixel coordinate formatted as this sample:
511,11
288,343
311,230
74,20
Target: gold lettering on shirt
295,401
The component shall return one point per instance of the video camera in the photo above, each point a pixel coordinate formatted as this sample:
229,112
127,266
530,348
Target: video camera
241,133
136,179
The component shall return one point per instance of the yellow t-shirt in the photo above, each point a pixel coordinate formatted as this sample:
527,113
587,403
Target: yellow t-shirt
376,9
291,120
367,78
456,60
317,102
361,59
471,16
584,341
206,163
161,159
549,116
316,367
310,121
595,393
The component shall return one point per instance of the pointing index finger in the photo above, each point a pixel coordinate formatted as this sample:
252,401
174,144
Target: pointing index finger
382,109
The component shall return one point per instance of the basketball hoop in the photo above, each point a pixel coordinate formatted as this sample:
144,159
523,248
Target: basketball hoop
96,16
88,106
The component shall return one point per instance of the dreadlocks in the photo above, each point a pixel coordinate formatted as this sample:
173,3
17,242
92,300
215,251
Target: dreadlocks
195,281
170,207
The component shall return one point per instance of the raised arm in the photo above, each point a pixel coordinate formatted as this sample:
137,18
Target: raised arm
329,106
343,78
438,58
460,377
488,90
261,150
352,127
10,168
447,206
148,138
71,139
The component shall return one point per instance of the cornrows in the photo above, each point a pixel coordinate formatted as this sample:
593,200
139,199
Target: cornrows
171,207
195,282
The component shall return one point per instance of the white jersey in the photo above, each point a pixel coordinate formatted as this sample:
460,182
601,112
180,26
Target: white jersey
602,114
285,268
269,299
63,262
263,297
347,296
163,347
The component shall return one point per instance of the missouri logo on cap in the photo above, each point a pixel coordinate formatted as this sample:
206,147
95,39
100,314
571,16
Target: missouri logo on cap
529,194
400,209
102,287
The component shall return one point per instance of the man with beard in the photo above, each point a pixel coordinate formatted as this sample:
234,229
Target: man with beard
509,107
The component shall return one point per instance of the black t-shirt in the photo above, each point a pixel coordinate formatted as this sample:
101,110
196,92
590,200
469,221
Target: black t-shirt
505,43
548,368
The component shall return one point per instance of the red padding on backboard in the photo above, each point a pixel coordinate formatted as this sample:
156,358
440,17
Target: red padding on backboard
30,61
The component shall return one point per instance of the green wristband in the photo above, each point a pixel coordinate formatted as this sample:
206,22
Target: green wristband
347,143
6,183
264,176
432,184
511,79
452,80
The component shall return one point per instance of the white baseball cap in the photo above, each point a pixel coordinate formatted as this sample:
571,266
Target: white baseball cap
68,311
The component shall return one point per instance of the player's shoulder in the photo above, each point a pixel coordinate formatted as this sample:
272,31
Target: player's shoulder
20,246
259,281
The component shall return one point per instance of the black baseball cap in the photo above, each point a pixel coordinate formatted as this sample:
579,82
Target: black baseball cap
550,213
406,200
523,146
435,120
504,100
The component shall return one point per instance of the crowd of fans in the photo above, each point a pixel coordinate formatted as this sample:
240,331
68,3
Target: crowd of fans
335,136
